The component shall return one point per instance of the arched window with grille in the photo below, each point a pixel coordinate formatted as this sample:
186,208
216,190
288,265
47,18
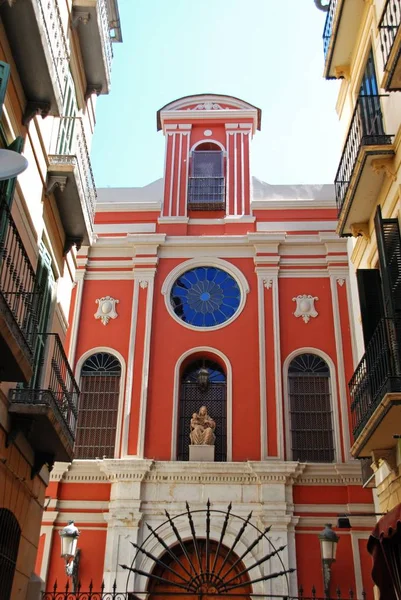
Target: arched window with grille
310,407
203,383
98,406
10,534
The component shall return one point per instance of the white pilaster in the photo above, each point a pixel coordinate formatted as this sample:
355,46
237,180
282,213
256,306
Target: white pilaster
146,282
130,367
79,277
341,370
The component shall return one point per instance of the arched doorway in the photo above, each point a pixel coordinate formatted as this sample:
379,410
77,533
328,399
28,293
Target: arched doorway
193,395
220,569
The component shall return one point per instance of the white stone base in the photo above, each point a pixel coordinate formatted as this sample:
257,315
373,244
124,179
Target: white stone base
201,453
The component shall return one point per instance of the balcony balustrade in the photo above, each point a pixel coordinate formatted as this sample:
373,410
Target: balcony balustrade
70,177
206,193
375,390
339,35
48,411
91,18
357,181
19,302
390,42
35,32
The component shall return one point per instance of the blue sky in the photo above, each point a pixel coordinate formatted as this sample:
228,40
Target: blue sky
267,52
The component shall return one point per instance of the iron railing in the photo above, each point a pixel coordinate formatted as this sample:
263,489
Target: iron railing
378,373
65,594
366,129
206,193
57,387
75,152
18,288
328,26
388,27
56,40
107,48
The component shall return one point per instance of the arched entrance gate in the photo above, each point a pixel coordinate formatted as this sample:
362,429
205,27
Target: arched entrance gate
200,565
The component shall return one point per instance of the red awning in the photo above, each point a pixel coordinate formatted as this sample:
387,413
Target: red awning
386,526
383,545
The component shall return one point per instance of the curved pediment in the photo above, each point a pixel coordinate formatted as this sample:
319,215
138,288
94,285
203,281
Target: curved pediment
207,103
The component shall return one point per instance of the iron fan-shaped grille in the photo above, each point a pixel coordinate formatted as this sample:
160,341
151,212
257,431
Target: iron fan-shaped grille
308,363
310,409
101,362
192,397
98,406
201,565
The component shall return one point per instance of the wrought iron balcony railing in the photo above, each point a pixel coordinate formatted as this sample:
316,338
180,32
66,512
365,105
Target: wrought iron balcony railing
57,387
18,287
378,373
366,129
74,151
328,26
105,31
388,27
206,193
55,38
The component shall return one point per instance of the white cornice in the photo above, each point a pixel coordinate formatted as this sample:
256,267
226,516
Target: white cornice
176,116
111,207
292,204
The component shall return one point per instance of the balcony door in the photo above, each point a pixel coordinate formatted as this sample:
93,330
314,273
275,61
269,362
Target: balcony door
206,183
370,109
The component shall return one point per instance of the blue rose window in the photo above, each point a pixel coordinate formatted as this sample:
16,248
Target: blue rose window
205,297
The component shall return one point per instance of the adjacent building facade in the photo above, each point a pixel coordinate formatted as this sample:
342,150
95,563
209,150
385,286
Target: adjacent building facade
55,59
210,288
362,46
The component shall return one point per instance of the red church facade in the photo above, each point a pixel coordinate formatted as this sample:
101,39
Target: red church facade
212,269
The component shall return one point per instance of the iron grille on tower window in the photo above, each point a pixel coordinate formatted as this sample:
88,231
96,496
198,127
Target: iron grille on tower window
192,397
10,534
206,186
98,407
310,409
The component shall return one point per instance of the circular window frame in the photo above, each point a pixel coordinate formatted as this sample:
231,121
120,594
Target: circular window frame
205,261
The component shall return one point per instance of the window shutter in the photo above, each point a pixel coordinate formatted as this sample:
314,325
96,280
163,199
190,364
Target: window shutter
207,164
370,299
43,303
4,76
7,187
389,246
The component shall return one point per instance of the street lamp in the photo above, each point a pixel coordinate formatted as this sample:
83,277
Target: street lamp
328,547
11,164
69,551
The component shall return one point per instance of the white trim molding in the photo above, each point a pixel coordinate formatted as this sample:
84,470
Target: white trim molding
205,261
333,398
121,359
229,382
207,141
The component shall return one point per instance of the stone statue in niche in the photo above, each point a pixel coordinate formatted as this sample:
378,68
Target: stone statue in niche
202,428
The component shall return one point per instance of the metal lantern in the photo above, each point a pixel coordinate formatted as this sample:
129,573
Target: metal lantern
69,541
203,378
328,543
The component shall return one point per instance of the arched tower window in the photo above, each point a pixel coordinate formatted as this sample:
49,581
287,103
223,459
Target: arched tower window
98,406
196,392
311,421
10,534
206,186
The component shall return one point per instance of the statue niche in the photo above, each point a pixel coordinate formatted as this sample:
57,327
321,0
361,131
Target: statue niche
202,428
